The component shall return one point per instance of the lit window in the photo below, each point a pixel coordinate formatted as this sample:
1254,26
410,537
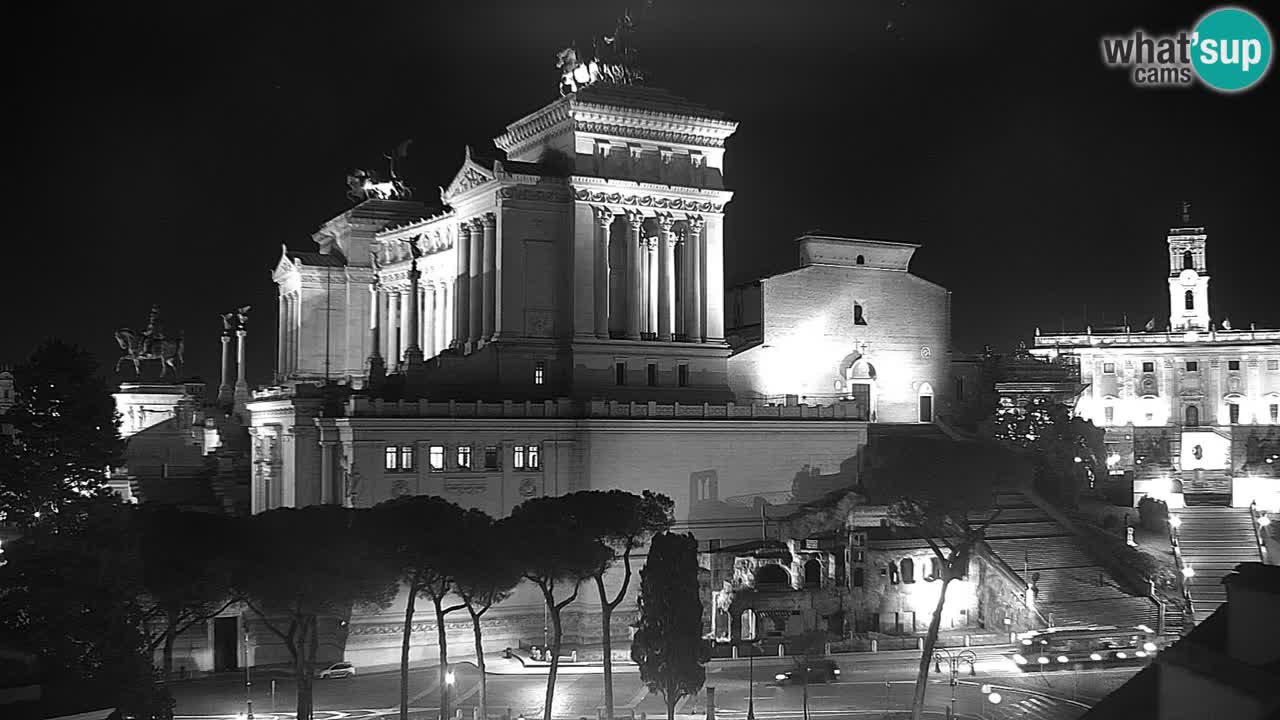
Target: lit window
517,461
392,458
464,457
436,457
1233,410
651,374
682,375
1109,368
620,373
539,372
1110,414
406,457
534,454
1148,367
893,573
491,458
1233,364
1193,366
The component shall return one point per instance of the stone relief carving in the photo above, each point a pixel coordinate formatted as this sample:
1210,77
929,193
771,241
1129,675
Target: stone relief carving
649,201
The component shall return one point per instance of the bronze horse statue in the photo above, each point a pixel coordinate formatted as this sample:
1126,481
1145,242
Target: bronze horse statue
139,347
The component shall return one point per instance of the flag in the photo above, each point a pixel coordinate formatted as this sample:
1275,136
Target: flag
1151,325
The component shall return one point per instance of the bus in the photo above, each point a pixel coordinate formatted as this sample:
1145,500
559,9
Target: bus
1083,646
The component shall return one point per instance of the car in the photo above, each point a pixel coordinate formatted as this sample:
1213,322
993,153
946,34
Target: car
337,670
818,670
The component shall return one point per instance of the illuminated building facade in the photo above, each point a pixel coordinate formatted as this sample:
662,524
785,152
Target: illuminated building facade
560,326
1195,407
851,325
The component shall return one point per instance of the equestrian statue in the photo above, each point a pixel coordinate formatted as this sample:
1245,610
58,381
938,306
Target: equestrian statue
150,344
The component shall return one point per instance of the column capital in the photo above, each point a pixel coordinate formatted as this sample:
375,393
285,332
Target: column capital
488,220
476,224
635,219
696,223
666,222
604,216
650,242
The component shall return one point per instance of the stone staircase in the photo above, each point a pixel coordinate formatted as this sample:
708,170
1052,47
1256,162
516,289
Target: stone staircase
1206,487
1071,587
1212,541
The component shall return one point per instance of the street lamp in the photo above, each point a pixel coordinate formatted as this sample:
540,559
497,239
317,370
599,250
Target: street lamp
248,680
446,695
751,682
954,661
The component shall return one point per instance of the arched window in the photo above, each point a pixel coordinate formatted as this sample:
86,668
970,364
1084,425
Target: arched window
935,569
812,573
926,403
860,260
1193,416
908,570
858,319
1188,261
893,573
1189,300
772,575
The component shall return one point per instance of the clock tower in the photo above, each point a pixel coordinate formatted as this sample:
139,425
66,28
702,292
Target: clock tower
1188,277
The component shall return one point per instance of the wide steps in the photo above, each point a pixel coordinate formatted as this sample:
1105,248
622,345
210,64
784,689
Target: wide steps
1025,529
1213,541
1040,553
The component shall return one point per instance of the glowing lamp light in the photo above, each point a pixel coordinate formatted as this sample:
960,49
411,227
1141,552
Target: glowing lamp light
1042,660
1018,659
1026,642
1121,655
1149,647
1062,659
986,689
1175,521
448,678
779,677
1077,459
994,698
1141,653
1188,572
1095,656
1113,459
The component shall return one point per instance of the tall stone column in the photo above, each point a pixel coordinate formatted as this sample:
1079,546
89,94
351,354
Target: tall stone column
242,385
224,388
693,321
604,220
377,367
635,274
407,303
489,277
386,326
281,336
475,303
447,316
666,278
429,320
394,347
328,496
713,274
462,288
413,350
651,278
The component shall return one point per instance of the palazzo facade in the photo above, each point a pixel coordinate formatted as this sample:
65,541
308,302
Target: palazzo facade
1195,406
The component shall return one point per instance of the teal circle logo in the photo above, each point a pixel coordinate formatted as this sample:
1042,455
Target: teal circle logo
1231,49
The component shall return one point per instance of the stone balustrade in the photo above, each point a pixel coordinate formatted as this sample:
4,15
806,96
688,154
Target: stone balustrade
567,409
1226,337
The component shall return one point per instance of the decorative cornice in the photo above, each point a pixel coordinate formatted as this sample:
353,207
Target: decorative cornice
651,134
535,194
648,201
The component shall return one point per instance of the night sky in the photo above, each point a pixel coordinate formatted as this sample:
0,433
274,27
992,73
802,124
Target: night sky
165,151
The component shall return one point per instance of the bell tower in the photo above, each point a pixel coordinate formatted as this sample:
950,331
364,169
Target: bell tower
1188,276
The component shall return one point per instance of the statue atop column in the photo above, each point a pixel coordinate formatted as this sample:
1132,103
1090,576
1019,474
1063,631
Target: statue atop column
368,184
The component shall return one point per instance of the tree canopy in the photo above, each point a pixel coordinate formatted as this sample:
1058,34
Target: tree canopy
65,438
668,644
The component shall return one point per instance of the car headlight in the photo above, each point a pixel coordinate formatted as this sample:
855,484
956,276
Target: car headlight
1121,655
780,676
836,671
1149,647
1062,659
1019,660
1095,656
1042,660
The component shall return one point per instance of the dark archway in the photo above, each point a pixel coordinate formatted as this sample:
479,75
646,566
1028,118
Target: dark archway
772,575
908,570
1188,261
1192,416
813,573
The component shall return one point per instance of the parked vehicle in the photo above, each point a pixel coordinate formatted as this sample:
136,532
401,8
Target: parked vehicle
337,670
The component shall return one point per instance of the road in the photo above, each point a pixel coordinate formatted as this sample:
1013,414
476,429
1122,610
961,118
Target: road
868,684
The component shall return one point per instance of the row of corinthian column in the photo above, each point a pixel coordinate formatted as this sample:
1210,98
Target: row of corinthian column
434,315
650,278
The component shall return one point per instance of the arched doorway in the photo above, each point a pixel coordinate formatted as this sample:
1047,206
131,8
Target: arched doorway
813,573
860,386
925,403
772,575
1192,416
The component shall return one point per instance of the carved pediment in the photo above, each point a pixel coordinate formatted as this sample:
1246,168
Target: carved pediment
469,176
